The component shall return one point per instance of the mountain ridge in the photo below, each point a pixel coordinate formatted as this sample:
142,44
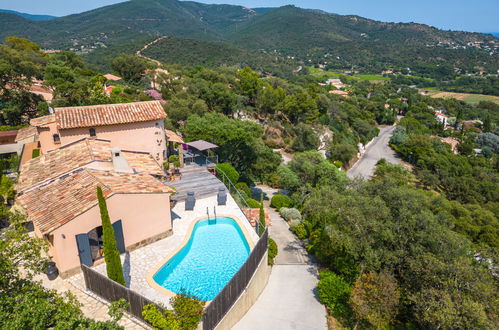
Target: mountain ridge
33,17
310,36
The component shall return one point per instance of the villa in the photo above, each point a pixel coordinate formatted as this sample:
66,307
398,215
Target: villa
132,126
58,192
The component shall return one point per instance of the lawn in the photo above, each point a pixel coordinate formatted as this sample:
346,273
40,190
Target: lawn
466,97
334,75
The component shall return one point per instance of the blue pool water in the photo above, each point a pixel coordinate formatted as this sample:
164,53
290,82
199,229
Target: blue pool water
215,252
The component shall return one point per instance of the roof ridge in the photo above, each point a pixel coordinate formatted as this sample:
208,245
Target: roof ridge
104,105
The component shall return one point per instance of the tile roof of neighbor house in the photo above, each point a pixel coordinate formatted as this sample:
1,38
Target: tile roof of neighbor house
42,121
70,157
26,132
54,205
112,77
108,114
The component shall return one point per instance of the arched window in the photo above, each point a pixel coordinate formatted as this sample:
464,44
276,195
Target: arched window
57,138
91,131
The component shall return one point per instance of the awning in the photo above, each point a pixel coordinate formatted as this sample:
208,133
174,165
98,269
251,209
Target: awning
171,136
202,145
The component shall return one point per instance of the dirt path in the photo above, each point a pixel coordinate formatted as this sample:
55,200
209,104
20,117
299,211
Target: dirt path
139,52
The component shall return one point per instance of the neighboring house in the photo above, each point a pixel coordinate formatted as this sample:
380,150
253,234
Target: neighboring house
58,193
334,82
112,77
442,118
134,126
8,145
25,136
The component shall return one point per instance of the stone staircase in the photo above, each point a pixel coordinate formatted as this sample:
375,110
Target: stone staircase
198,179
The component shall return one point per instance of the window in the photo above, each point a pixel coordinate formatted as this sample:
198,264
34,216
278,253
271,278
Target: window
92,132
116,154
57,138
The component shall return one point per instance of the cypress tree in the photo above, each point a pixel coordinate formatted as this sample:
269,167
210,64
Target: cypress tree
111,253
262,216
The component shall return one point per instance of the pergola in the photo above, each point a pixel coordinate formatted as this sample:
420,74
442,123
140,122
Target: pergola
201,153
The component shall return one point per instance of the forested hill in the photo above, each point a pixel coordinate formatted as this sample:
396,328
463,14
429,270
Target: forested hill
310,36
29,16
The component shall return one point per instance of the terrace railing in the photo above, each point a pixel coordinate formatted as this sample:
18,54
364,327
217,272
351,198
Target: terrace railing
224,301
240,200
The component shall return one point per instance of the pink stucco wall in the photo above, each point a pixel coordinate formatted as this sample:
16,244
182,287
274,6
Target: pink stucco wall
143,216
145,136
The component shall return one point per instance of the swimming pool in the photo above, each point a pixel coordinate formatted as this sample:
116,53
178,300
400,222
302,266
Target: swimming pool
215,251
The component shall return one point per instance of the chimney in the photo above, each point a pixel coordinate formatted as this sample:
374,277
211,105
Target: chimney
120,164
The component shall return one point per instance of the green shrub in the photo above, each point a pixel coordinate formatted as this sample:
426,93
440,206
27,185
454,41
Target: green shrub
186,314
333,292
35,153
229,171
292,215
173,159
253,203
273,250
243,188
279,201
300,231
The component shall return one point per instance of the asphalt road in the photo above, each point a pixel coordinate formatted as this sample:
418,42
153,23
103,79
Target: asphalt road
289,300
378,149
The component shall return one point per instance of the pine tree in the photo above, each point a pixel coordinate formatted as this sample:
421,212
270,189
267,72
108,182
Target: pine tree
111,253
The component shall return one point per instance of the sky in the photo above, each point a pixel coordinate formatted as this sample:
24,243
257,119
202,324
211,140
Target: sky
463,15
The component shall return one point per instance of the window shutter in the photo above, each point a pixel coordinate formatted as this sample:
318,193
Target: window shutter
118,235
84,249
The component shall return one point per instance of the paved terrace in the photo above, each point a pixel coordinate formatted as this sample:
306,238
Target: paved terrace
138,263
198,179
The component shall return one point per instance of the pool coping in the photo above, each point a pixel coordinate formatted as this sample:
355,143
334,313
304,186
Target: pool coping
149,278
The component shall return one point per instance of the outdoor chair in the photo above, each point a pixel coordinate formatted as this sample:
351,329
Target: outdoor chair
190,201
222,196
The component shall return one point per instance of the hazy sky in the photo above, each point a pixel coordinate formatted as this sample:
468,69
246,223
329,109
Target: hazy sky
476,15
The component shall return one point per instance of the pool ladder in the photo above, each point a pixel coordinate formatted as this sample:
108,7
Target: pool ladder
214,215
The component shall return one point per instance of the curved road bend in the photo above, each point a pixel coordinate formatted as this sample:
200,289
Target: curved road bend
378,149
289,300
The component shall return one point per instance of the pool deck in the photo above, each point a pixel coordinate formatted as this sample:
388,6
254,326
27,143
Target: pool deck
138,264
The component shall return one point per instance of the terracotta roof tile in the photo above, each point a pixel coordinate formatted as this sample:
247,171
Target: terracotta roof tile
42,121
171,136
26,132
52,206
86,152
108,114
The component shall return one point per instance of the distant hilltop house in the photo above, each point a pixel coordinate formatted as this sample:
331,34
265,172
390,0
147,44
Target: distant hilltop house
131,126
334,82
471,125
112,77
57,191
442,118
